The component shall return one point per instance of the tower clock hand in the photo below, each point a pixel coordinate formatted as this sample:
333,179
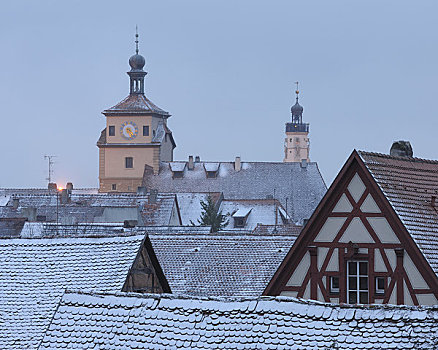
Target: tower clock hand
129,131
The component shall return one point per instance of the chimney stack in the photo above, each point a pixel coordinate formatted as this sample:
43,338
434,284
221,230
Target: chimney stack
401,149
153,197
237,164
191,165
52,186
197,159
69,186
15,202
65,196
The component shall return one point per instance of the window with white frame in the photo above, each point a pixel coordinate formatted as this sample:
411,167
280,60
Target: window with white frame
380,285
357,282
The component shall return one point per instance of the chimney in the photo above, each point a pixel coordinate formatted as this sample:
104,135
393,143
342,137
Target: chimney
237,164
64,198
197,159
303,163
191,165
153,196
15,202
142,190
52,186
401,149
69,186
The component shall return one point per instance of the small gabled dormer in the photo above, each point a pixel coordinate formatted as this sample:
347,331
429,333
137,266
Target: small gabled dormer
211,170
177,170
240,217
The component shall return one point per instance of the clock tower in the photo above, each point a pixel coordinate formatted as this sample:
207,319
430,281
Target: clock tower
136,135
296,144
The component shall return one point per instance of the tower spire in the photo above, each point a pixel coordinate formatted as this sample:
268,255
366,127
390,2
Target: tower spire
297,91
136,39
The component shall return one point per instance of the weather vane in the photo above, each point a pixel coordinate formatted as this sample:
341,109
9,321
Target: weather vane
297,91
136,39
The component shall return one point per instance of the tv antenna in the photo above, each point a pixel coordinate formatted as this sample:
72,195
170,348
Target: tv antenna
50,161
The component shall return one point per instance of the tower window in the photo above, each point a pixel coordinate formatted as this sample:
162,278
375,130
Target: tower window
129,162
113,187
111,130
145,130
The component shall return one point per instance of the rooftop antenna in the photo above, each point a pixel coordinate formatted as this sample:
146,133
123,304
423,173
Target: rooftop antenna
136,39
50,162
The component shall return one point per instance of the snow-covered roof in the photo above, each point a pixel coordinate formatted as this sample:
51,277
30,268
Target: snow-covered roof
134,321
301,187
224,263
211,166
89,208
257,211
177,166
190,205
35,272
410,184
135,104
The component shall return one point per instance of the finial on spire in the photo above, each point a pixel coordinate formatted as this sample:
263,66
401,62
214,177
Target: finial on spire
136,39
297,91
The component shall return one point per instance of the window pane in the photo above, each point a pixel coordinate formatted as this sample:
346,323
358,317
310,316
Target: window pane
352,297
111,130
352,268
363,296
129,162
381,282
363,283
363,268
352,283
145,130
335,283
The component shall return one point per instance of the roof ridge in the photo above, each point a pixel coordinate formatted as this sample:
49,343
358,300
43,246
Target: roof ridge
231,299
388,156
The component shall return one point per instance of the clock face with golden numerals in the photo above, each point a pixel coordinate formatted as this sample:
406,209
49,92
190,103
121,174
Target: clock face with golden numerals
129,130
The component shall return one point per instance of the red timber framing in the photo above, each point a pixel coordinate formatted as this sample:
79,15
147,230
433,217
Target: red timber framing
394,255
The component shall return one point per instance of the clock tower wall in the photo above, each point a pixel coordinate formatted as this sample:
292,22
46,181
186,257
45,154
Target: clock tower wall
138,121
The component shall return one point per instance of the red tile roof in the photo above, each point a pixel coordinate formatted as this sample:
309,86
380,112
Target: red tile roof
410,184
134,104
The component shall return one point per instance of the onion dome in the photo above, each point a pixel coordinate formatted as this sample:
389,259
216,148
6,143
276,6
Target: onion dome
137,62
297,109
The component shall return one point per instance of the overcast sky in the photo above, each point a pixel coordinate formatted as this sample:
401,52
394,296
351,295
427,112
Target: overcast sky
224,70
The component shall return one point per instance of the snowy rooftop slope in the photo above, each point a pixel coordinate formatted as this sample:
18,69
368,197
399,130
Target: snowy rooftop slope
259,211
302,186
134,321
409,184
135,104
216,264
35,272
88,208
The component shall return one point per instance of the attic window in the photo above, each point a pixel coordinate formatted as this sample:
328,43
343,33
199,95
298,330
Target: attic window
211,174
239,222
178,174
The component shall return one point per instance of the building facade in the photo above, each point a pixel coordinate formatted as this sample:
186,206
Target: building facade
136,135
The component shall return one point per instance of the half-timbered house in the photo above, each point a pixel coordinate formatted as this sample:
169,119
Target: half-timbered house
372,239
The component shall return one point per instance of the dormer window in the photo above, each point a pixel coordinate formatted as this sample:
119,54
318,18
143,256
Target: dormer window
239,222
211,170
240,217
177,169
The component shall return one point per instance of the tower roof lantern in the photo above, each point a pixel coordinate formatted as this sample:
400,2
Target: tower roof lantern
297,109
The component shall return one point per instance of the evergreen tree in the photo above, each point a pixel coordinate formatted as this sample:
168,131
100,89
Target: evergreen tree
211,217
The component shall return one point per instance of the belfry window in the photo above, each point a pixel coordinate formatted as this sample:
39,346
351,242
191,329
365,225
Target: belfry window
111,130
357,282
145,130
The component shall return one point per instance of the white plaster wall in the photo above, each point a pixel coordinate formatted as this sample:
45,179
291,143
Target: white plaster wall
300,272
407,295
319,294
369,205
379,264
322,253
427,299
383,230
289,293
393,297
330,229
414,275
343,205
356,187
390,253
333,264
306,294
356,233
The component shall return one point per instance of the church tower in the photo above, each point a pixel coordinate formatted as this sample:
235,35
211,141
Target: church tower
296,144
136,136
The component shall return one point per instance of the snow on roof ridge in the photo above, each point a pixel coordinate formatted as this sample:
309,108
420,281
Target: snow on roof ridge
284,299
388,156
